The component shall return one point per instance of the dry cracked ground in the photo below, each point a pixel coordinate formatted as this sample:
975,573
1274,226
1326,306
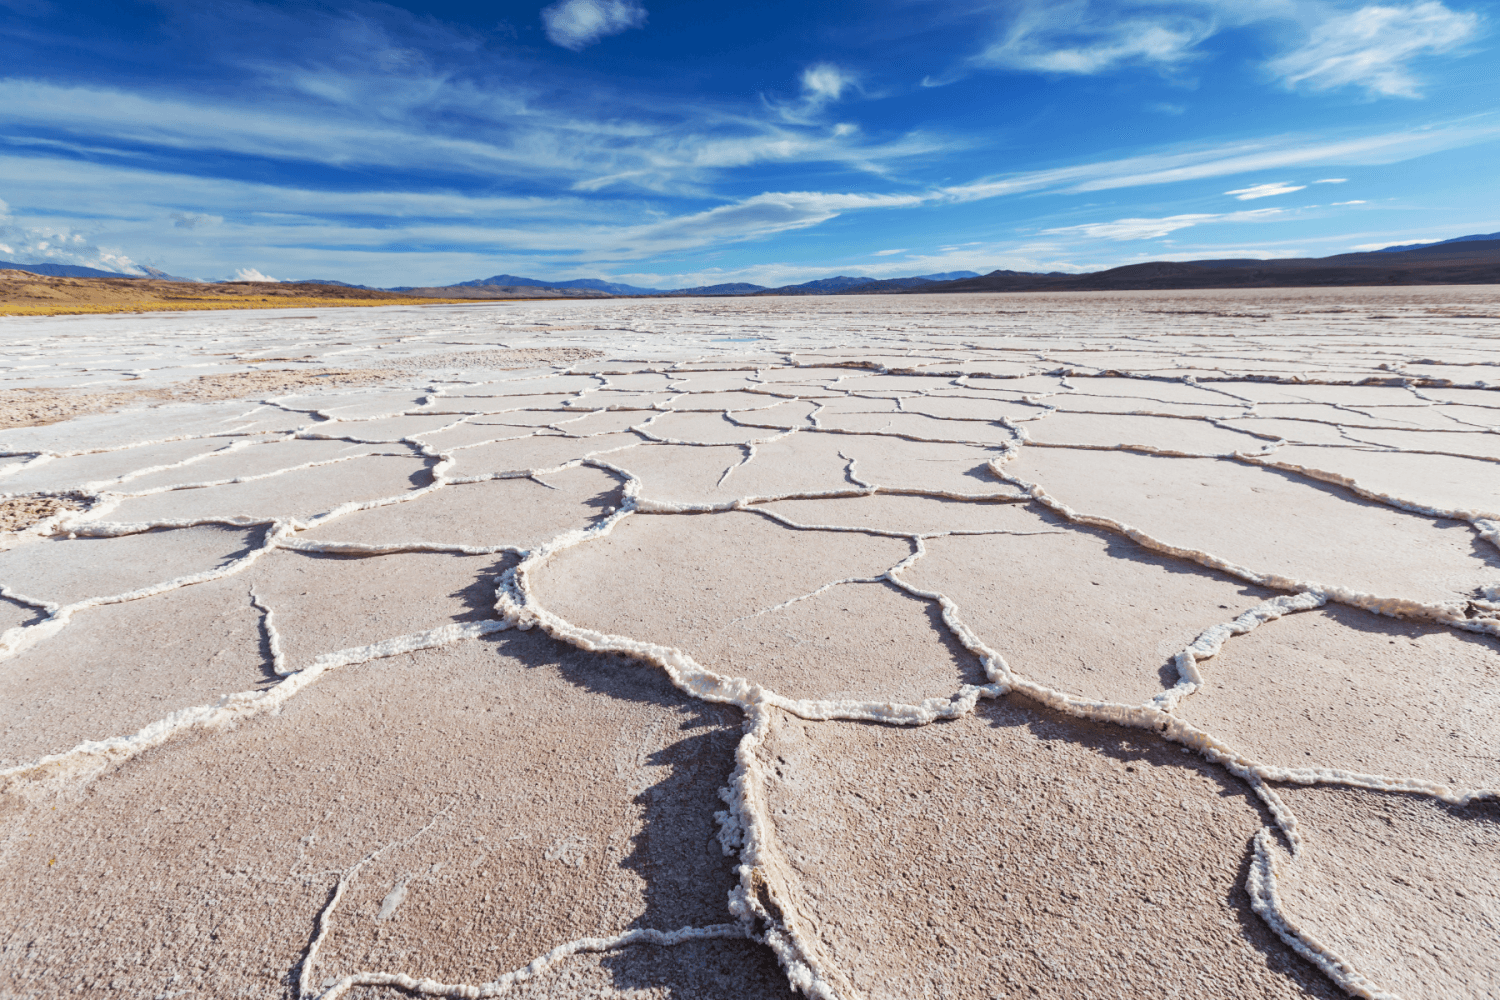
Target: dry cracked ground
1128,645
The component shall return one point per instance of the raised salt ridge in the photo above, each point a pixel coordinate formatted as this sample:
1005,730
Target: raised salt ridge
1056,645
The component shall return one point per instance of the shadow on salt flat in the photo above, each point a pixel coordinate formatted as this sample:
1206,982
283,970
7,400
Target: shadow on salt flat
562,795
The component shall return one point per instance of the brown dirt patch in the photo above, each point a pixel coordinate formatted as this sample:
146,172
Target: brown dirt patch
20,512
34,407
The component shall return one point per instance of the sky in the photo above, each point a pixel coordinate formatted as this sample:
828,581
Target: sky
675,143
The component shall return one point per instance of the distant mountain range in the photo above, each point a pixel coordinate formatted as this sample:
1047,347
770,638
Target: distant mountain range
1462,260
823,286
77,271
63,270
1452,262
336,284
595,284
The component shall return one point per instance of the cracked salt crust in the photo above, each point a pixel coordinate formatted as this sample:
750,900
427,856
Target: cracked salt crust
1393,697
1321,532
982,450
1127,613
1374,859
91,682
1003,852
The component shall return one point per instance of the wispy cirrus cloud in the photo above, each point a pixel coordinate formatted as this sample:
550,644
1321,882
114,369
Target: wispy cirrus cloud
1373,47
414,226
1222,160
1146,229
1265,190
826,82
1083,37
751,218
1370,47
577,24
676,149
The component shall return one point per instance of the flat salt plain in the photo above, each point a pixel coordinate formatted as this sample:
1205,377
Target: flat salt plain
1127,645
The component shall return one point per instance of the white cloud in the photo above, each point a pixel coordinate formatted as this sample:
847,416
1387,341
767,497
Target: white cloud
1332,180
251,274
1147,229
1337,203
887,253
1265,190
1220,161
673,147
55,245
750,218
1077,37
826,82
1371,48
822,84
1330,45
577,24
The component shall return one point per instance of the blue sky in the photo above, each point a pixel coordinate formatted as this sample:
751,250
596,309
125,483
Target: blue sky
681,143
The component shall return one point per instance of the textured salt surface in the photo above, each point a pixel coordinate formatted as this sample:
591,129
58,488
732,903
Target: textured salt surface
1119,644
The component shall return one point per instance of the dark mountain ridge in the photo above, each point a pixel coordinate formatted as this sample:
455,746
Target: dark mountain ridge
1458,262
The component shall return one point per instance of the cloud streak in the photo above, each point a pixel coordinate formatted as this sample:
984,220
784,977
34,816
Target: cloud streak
1228,159
1146,229
1371,48
1083,38
674,150
1265,190
577,24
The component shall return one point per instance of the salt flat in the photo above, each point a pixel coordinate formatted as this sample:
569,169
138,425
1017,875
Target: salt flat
1090,644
